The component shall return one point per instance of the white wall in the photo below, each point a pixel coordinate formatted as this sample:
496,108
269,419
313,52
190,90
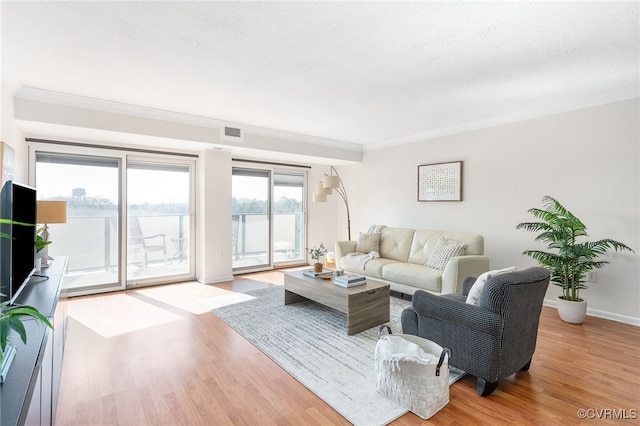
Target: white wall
214,217
12,135
587,159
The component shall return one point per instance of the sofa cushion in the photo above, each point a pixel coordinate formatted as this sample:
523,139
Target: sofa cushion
446,249
426,240
413,275
395,243
373,267
368,242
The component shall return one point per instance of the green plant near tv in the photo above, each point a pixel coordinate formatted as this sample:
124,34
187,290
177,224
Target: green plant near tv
570,259
11,316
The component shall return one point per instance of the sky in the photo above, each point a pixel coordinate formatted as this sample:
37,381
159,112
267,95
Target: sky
253,187
152,186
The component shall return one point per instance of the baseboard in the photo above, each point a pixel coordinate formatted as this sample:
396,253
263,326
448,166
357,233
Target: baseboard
216,280
601,314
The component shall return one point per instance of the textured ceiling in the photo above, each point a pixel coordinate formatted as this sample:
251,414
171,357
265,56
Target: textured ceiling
361,72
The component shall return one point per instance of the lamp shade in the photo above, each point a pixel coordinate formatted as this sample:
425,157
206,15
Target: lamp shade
51,212
331,182
320,189
319,198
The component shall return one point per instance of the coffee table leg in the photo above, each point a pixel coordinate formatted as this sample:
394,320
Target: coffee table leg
291,297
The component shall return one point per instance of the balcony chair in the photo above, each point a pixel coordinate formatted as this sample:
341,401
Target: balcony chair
145,244
491,340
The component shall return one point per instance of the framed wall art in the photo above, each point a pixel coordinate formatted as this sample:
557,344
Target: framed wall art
6,162
440,182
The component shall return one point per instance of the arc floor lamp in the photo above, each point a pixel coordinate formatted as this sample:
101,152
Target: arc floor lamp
326,186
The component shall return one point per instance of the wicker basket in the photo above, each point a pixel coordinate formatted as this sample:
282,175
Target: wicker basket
412,371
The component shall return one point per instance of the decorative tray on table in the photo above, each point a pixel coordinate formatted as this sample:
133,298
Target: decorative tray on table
325,274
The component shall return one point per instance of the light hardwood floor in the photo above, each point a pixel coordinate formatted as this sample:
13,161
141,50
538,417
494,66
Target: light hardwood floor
158,356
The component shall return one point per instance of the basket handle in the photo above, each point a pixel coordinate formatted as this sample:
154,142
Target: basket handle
441,360
381,328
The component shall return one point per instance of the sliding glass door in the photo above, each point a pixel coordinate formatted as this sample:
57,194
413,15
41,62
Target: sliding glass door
251,219
158,220
288,218
90,185
268,218
129,217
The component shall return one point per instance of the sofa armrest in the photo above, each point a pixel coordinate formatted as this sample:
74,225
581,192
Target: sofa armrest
342,248
461,314
460,267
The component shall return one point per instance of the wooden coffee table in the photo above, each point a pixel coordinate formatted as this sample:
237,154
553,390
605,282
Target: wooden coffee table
365,305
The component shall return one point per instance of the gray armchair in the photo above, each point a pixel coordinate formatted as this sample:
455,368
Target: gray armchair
491,340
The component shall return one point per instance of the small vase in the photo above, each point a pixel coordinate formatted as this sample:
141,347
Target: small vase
317,267
571,312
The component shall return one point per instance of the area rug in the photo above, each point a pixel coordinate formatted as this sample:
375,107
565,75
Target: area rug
310,342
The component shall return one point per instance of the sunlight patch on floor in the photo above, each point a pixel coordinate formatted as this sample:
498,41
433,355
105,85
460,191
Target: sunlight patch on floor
118,314
193,297
270,277
227,299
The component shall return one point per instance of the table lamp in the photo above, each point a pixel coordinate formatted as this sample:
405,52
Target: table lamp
49,212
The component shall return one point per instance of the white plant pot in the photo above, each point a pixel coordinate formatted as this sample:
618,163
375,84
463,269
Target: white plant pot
572,312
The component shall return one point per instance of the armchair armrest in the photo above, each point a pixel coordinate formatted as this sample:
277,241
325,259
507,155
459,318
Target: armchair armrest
457,313
460,267
342,248
467,284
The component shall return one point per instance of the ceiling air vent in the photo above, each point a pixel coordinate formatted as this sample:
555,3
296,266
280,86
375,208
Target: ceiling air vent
231,134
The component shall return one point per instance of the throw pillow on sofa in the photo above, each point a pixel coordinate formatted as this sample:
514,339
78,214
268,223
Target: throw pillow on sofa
444,250
368,242
481,281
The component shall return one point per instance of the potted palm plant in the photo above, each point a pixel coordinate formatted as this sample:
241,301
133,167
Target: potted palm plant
11,317
571,260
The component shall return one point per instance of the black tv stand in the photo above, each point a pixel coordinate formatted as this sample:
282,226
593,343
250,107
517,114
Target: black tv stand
29,394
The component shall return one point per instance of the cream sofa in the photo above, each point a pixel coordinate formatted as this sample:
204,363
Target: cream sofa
404,255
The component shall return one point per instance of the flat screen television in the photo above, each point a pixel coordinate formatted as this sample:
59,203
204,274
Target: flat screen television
18,253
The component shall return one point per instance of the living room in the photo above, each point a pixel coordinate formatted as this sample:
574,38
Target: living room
580,147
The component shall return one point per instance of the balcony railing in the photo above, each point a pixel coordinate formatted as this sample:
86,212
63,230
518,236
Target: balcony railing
91,242
250,238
